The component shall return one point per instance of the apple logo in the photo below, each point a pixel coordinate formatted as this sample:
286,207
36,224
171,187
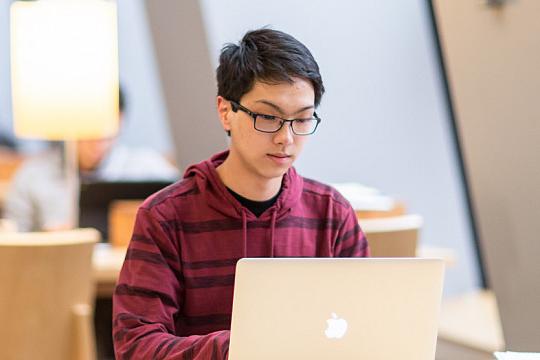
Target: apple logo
336,327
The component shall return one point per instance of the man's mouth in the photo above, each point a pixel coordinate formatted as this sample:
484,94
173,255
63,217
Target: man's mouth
279,155
280,159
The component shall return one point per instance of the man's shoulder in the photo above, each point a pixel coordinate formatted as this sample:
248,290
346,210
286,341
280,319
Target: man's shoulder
314,188
49,160
40,171
182,190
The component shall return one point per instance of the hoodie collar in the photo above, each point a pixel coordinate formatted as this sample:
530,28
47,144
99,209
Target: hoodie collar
218,197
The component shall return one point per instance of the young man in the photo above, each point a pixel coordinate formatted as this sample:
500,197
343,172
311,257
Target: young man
174,296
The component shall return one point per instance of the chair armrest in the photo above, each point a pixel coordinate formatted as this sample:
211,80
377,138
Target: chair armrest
84,344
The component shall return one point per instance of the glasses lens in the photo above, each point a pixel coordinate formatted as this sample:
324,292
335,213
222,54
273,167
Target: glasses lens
304,126
267,123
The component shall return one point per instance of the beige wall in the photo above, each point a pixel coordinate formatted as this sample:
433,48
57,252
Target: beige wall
492,56
187,78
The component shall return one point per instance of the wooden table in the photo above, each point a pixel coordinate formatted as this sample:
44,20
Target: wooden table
469,327
107,262
469,324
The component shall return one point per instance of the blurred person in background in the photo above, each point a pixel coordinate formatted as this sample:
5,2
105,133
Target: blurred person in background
38,198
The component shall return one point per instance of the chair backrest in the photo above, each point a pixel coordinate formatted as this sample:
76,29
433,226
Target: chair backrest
122,214
393,236
46,284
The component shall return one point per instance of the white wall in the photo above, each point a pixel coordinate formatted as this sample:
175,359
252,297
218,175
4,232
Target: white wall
492,57
385,122
146,115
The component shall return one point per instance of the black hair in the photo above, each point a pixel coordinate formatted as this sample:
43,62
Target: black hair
266,55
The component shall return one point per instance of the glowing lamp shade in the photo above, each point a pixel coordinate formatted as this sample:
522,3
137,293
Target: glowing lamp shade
64,68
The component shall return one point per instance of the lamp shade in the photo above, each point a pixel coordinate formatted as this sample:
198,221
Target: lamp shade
64,69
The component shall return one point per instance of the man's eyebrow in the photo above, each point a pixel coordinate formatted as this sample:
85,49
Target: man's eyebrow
280,110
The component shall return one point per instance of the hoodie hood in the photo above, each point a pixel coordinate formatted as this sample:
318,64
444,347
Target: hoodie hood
219,198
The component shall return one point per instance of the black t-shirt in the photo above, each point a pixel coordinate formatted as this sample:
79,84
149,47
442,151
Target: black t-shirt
256,207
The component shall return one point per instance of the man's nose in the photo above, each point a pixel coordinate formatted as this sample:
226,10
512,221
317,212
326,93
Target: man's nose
285,135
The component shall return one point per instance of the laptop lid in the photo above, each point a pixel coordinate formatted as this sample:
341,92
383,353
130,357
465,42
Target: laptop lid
336,308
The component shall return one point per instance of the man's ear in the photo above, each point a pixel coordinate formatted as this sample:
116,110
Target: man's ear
224,112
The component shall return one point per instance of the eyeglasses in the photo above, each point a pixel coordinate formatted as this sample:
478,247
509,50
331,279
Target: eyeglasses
271,124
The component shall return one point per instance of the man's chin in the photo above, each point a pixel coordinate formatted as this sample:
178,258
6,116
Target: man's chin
276,173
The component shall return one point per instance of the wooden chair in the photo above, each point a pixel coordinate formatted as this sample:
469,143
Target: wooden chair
393,236
121,217
46,295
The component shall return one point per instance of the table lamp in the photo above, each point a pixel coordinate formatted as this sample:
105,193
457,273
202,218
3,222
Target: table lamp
64,74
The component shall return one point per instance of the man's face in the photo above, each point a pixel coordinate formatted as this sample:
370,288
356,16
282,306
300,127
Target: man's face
269,155
92,152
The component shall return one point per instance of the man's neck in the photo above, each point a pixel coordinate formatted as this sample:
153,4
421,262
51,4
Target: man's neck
246,184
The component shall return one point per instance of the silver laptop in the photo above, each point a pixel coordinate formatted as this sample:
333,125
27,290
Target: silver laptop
336,308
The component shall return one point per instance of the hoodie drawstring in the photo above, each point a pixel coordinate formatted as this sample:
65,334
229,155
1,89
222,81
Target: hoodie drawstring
272,232
244,228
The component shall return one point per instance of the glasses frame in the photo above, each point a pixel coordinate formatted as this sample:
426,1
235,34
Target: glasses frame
236,106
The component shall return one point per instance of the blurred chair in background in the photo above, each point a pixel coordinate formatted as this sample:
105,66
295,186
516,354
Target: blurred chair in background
393,236
47,295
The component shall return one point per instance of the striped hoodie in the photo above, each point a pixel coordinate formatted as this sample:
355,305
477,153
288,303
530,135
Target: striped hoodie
174,296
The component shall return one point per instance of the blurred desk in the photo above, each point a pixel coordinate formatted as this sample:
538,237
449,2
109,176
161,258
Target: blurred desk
397,210
107,262
447,254
469,327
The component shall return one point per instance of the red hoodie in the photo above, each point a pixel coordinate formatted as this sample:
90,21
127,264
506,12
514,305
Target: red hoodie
174,295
